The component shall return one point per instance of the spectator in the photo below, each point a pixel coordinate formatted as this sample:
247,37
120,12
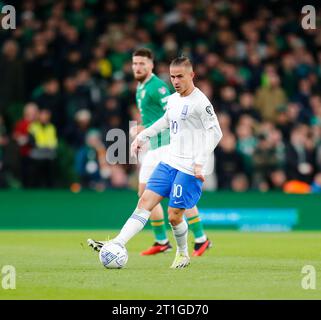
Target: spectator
76,132
269,97
264,161
240,183
299,160
91,163
12,73
316,136
277,179
286,117
228,103
315,103
44,150
71,99
229,161
302,98
289,76
246,143
22,138
48,96
316,184
247,106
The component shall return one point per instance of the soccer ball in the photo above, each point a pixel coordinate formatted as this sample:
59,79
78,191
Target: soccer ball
113,255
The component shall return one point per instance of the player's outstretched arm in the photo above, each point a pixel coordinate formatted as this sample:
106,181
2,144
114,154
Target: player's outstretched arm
135,130
149,132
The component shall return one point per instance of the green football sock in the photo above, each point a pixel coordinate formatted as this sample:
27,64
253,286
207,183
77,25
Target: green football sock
159,230
196,226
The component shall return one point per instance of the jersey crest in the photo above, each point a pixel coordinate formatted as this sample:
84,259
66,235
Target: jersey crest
209,110
162,90
184,112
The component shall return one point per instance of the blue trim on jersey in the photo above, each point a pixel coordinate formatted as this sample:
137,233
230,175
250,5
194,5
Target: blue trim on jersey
182,189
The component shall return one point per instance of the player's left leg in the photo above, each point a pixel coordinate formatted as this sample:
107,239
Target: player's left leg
201,241
180,232
185,193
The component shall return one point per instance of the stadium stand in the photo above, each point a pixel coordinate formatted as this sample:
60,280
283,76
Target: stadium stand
73,58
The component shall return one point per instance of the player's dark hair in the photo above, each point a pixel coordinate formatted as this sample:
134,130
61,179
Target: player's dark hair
144,52
182,60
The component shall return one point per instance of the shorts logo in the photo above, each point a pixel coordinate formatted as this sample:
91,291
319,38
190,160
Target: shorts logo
209,110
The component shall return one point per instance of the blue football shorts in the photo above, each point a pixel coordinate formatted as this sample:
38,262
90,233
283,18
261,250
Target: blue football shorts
182,189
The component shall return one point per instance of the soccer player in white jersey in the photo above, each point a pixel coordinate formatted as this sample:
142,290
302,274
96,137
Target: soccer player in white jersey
151,99
194,134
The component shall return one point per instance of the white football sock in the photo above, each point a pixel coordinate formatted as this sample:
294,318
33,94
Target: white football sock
133,225
180,233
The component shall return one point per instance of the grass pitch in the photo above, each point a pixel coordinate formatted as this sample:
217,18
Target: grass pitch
54,265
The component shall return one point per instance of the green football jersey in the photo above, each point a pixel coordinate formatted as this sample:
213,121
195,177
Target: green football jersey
151,98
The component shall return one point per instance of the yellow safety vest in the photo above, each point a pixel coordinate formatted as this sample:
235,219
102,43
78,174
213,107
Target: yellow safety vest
45,135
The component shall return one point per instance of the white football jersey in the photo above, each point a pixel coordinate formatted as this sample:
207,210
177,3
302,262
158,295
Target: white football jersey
189,119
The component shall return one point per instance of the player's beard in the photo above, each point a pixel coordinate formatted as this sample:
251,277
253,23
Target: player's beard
141,78
144,74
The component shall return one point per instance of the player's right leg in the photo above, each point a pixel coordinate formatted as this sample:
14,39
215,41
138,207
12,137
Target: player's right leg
139,217
149,161
157,221
136,221
159,186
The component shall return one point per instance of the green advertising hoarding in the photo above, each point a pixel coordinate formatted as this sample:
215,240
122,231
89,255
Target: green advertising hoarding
62,209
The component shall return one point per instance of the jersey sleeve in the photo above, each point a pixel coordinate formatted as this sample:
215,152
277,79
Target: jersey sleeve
160,95
213,133
207,115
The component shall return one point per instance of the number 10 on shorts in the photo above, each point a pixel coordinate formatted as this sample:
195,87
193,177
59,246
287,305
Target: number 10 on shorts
177,190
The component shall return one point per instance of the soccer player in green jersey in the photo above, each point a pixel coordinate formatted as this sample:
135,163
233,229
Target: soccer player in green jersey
151,99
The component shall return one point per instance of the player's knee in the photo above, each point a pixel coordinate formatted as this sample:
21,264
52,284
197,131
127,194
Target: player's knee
174,216
143,202
141,190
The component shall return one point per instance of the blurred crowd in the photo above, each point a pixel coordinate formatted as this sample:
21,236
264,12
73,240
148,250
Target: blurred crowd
66,80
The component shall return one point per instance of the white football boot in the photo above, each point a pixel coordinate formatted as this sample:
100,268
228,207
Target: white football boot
96,245
181,261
